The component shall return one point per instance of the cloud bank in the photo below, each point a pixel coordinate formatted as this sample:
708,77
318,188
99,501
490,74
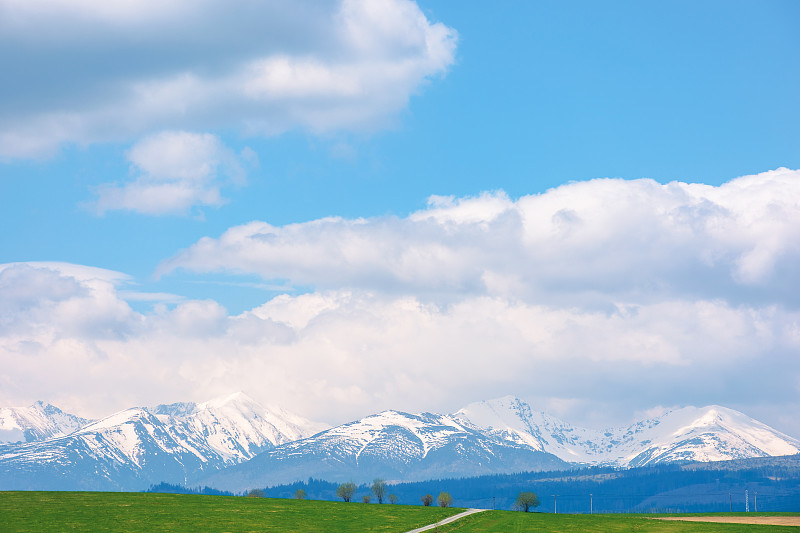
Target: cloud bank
78,72
601,241
597,298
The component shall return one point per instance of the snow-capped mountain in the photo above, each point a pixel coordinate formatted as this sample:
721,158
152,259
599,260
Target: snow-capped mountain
37,422
234,443
234,428
137,447
690,434
391,445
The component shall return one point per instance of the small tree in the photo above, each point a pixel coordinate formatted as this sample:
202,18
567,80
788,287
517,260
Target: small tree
346,491
379,489
366,498
444,499
526,501
255,493
393,498
427,500
299,494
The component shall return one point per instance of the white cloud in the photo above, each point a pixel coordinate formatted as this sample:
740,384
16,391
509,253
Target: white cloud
595,243
175,171
598,298
261,68
336,355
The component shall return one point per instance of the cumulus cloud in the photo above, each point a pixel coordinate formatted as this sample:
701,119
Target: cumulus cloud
594,300
594,243
340,354
76,72
174,171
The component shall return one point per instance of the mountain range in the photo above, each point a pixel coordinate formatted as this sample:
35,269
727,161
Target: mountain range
703,434
134,448
233,443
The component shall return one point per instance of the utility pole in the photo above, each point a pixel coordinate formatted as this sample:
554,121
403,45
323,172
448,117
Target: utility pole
756,501
730,498
492,503
591,504
555,503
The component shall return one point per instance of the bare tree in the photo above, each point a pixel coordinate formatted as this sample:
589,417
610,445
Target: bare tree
255,493
444,499
366,498
427,500
392,498
346,491
526,501
299,494
379,489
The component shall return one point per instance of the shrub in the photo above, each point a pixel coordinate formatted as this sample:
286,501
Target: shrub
444,499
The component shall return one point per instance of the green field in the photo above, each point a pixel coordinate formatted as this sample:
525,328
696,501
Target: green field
511,522
112,511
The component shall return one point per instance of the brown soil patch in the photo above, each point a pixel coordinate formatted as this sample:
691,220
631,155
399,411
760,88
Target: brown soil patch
763,520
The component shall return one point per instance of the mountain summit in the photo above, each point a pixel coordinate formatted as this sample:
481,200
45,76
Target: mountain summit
37,422
710,433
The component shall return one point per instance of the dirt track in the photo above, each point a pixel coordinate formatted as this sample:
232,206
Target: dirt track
763,520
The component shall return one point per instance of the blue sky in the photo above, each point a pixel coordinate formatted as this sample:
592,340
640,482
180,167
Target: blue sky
143,138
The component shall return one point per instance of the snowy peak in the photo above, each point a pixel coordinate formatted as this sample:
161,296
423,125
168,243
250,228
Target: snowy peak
513,419
37,422
237,427
710,433
240,414
422,432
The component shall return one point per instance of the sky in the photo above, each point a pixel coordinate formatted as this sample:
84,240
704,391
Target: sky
349,206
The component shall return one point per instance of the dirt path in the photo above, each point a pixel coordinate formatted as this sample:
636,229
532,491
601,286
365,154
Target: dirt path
446,520
763,520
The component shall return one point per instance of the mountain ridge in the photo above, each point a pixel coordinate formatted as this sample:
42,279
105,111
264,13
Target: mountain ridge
233,443
710,433
135,447
392,445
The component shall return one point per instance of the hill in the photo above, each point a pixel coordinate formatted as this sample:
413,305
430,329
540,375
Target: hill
772,484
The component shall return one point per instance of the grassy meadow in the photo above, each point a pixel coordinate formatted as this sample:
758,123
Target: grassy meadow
133,512
515,522
42,512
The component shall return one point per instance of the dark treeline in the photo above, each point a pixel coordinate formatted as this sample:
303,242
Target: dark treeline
180,489
772,484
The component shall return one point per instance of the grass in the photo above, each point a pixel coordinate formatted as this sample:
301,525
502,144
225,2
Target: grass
515,522
133,512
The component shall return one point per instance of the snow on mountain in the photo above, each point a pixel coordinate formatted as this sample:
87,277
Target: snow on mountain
127,450
693,434
37,422
235,427
136,447
234,443
705,434
391,445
